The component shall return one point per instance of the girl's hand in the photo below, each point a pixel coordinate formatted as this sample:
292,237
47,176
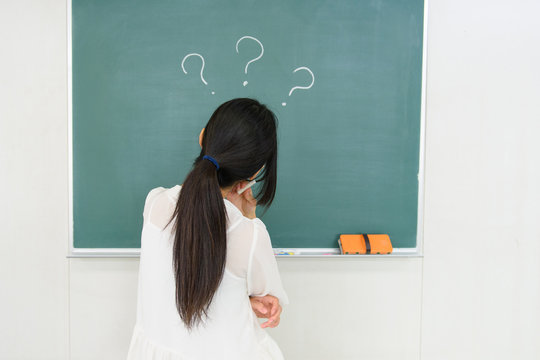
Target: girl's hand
267,307
245,201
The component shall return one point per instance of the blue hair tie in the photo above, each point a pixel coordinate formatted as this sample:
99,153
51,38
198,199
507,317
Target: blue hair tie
212,160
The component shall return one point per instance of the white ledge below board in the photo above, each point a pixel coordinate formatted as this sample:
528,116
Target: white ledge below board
323,253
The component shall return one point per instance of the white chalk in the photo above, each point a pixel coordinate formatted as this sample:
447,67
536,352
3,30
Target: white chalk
250,184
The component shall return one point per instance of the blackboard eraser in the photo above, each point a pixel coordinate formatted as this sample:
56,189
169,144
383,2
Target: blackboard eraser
365,244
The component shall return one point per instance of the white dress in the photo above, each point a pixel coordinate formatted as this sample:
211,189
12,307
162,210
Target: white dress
232,330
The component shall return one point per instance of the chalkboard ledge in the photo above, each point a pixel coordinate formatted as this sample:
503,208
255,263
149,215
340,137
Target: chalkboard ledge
326,253
104,253
335,253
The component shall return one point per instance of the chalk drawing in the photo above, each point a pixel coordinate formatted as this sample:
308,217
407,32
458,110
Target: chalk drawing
202,67
254,59
302,87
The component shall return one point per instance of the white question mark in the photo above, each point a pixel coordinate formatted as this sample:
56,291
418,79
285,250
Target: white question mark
202,68
301,87
252,60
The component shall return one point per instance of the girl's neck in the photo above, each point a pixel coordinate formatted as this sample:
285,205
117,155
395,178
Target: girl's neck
226,191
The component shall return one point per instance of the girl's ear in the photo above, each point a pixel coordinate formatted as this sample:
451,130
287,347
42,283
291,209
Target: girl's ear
201,137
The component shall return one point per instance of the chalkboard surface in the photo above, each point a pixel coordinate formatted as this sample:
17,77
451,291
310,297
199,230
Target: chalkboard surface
349,144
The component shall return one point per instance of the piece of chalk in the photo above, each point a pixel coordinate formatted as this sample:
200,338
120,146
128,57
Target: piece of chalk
250,184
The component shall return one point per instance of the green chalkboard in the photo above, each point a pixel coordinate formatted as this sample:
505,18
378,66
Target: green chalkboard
349,145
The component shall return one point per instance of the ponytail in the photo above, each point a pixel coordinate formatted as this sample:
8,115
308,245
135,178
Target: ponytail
239,139
199,258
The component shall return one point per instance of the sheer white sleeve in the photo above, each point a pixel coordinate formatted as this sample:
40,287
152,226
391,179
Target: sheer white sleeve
158,209
262,271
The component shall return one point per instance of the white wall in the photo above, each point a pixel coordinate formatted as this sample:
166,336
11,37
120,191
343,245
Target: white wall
482,213
33,181
474,295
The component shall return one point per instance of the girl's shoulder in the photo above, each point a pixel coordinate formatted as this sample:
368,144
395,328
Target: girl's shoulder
159,204
160,191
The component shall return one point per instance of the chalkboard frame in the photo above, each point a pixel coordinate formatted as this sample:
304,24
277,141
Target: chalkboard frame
328,253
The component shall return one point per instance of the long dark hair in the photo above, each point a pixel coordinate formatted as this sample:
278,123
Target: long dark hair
241,137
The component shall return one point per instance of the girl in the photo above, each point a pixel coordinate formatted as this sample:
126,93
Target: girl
207,268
